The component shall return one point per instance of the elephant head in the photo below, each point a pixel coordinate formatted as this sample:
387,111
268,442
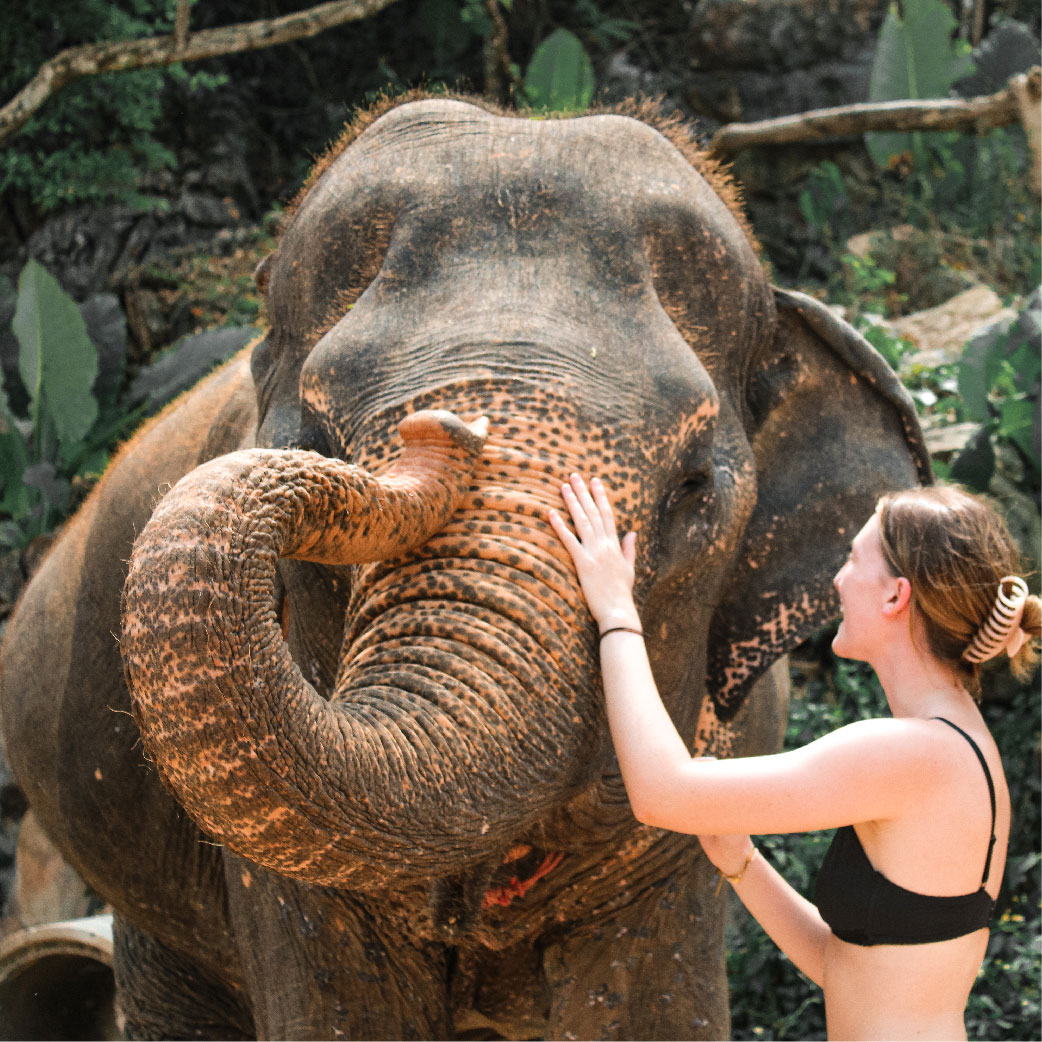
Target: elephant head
363,659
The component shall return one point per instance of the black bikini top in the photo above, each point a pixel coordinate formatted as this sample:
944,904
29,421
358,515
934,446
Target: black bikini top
863,907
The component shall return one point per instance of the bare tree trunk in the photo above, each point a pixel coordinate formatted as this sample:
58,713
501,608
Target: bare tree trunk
497,58
184,15
1025,88
978,22
75,63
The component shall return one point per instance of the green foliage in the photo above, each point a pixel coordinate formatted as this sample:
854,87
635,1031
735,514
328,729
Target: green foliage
978,189
603,30
973,186
559,77
474,13
971,213
866,282
15,496
93,140
875,331
65,435
63,408
450,28
867,289
1005,1003
915,58
825,204
998,381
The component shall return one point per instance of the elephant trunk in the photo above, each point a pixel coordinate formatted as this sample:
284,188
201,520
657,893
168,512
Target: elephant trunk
235,730
425,755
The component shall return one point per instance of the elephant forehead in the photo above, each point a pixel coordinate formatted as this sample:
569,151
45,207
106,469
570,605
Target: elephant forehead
596,209
627,156
455,139
469,167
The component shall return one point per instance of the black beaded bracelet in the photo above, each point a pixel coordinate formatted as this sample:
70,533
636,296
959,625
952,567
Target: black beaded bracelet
620,629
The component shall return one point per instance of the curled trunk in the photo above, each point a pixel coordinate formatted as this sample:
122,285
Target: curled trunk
256,756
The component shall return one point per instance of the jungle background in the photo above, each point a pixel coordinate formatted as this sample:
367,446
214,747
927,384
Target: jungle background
134,207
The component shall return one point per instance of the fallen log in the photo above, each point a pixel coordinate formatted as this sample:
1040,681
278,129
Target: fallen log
1018,101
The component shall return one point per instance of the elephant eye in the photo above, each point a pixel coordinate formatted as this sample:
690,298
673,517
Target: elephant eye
695,486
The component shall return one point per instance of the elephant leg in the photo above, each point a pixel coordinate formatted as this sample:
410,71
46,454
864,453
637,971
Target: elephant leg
161,993
654,970
319,963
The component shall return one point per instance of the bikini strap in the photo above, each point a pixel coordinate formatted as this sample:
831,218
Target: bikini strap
991,792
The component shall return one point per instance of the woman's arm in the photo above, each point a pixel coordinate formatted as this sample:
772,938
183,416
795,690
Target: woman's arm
790,920
867,771
863,772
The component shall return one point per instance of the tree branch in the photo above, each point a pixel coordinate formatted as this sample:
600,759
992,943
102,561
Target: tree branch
75,63
1027,89
497,59
184,16
991,110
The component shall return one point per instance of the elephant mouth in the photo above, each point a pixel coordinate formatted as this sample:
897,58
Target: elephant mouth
522,868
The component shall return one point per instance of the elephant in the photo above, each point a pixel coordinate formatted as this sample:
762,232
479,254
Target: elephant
307,689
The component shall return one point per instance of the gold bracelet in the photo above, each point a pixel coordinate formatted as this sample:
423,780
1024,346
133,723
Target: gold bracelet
733,880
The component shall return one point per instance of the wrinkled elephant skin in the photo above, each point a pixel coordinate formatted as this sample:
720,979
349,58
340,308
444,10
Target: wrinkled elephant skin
357,780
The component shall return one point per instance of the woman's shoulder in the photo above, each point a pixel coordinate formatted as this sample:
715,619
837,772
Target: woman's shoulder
887,728
870,770
892,743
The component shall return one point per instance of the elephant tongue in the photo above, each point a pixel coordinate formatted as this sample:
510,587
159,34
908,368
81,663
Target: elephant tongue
503,895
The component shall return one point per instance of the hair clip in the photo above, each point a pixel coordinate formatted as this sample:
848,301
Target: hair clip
1002,629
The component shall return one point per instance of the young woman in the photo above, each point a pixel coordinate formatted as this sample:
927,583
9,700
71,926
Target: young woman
905,893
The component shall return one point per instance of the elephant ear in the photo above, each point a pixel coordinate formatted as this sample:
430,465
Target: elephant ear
831,429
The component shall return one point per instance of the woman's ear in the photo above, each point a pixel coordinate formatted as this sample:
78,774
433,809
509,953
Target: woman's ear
900,596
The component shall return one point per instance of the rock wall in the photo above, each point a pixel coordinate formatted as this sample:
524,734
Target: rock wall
755,59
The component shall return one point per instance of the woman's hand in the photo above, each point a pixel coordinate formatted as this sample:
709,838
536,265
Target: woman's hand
604,565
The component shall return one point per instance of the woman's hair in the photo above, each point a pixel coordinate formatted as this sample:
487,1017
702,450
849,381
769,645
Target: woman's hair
953,548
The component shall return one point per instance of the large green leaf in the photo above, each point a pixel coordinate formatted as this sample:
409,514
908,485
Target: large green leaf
1017,422
560,74
14,457
57,361
915,59
977,369
1003,362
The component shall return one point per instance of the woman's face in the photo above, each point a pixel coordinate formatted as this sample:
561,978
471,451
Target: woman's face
864,584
